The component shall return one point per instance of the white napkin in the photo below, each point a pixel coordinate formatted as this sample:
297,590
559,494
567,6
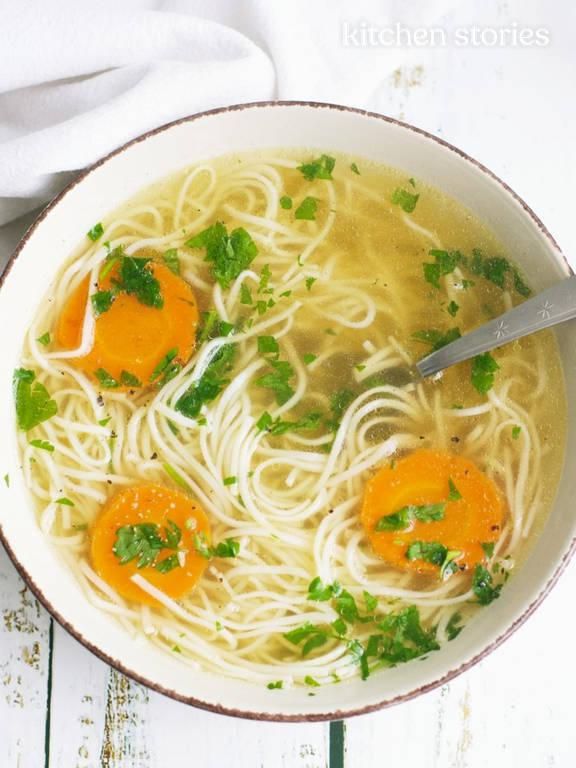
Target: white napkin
78,79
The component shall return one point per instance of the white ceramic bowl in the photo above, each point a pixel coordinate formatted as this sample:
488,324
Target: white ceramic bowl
100,190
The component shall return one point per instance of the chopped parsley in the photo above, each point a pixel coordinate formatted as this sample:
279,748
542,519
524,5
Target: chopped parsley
406,200
488,548
278,380
311,682
370,601
64,502
279,427
209,385
246,295
453,308
136,279
307,209
275,686
43,445
7,480
167,368
105,422
44,339
430,551
436,338
33,402
96,232
339,402
318,169
144,542
444,263
454,494
402,519
454,627
225,548
354,168
286,202
231,480
310,282
170,258
106,380
516,430
312,635
102,301
484,368
483,586
229,254
267,345
128,379
308,358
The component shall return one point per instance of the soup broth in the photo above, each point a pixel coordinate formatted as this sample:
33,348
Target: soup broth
279,405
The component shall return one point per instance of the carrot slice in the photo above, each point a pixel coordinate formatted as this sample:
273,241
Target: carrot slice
471,506
131,336
158,505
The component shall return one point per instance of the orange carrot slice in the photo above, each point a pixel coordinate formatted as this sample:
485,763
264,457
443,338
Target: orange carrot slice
470,504
158,505
131,336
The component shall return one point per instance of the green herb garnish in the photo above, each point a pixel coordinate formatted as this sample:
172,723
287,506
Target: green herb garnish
483,586
453,308
318,169
43,445
209,385
516,430
44,339
106,380
64,502
437,338
406,200
95,233
170,258
102,301
231,480
280,427
286,202
225,548
277,685
308,358
229,254
267,345
401,520
33,402
307,209
143,542
354,169
278,380
484,368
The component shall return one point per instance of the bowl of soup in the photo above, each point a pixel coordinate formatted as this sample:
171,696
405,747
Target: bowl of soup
222,473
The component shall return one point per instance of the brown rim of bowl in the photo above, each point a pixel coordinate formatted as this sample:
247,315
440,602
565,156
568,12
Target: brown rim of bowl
265,716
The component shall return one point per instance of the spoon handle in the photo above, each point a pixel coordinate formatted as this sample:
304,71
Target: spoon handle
554,305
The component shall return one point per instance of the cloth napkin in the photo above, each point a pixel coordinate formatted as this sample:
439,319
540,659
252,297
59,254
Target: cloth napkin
77,79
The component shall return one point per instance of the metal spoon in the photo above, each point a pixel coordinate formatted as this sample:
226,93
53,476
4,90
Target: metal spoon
554,305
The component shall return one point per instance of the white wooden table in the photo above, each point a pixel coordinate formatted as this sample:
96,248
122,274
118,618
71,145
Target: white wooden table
514,110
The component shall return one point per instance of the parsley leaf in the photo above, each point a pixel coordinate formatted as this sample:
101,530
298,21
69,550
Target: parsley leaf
454,494
484,368
444,263
314,637
516,430
136,279
308,358
279,427
488,548
454,627
246,295
429,551
483,586
277,380
370,601
318,169
437,338
43,445
102,301
96,232
406,200
320,592
286,202
44,339
354,169
277,685
170,258
209,385
307,209
128,379
400,520
453,308
267,345
64,502
310,282
225,548
106,380
143,542
33,402
229,254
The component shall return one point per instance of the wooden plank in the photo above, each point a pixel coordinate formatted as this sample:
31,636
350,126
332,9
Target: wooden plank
24,671
515,707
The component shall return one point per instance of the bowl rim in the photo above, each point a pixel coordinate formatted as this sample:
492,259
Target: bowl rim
337,714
